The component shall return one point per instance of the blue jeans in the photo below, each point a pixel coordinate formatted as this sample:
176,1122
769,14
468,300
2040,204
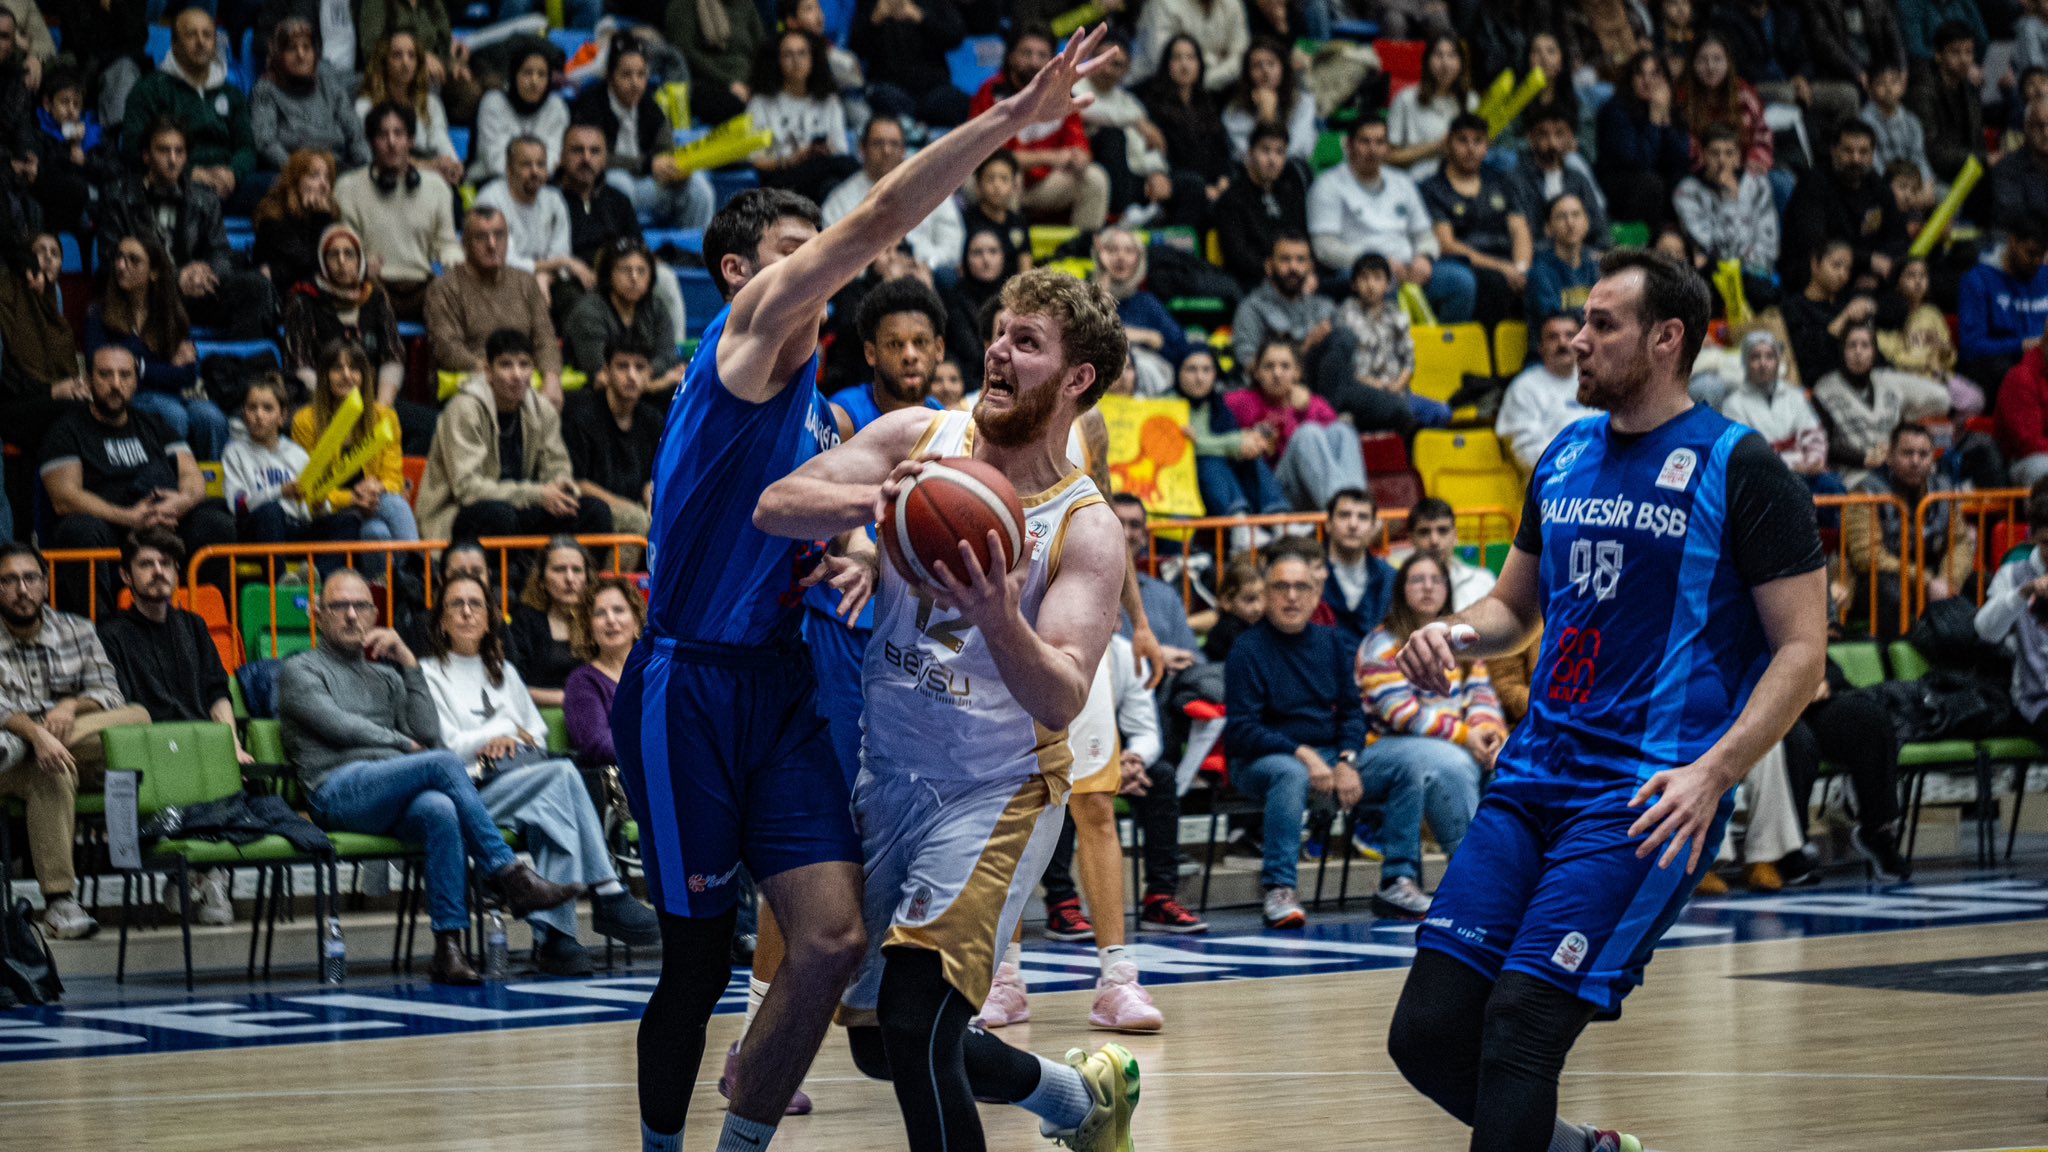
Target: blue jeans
425,798
1413,777
549,804
1230,487
199,423
1429,413
1282,782
1452,292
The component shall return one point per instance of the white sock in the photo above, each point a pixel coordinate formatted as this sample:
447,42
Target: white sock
1111,956
1014,954
652,1141
610,888
1568,1137
744,1135
757,990
1062,1098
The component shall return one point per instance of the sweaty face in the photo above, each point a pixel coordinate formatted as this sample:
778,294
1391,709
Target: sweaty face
903,352
1022,374
1613,346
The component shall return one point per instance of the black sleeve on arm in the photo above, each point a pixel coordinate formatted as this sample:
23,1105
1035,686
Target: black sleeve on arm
1770,516
1529,536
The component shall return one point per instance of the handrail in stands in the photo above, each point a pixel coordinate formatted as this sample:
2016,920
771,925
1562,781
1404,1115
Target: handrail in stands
1391,519
1845,571
271,554
1976,508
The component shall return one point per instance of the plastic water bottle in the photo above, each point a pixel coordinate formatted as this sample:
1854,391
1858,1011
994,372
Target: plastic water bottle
333,953
497,956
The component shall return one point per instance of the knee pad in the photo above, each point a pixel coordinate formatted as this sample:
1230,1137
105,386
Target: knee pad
869,1054
1532,1023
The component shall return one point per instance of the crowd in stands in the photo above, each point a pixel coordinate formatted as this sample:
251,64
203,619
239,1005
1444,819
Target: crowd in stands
468,245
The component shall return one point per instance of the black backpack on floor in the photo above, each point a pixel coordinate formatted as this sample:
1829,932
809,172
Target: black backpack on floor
28,974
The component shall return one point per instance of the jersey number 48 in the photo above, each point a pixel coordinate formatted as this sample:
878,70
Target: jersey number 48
1596,567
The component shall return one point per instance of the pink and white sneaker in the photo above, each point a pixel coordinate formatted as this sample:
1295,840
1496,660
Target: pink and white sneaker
1121,1005
1006,1003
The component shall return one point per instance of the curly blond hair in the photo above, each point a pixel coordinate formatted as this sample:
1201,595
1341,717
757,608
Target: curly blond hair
1091,332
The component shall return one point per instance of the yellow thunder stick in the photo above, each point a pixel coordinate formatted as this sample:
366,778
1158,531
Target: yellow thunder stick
1945,213
1498,120
355,461
729,143
321,461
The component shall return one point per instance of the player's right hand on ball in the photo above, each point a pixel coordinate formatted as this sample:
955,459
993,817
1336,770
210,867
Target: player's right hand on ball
1427,659
893,486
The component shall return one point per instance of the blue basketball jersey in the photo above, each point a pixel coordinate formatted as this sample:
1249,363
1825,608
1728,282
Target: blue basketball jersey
1651,641
716,578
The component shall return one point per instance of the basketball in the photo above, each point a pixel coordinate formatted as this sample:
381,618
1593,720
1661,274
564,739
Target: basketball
955,499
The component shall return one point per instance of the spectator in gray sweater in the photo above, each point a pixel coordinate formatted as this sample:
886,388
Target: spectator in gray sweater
359,722
298,104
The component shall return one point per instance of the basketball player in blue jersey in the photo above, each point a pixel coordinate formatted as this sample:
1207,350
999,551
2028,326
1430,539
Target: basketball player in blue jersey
1674,565
721,747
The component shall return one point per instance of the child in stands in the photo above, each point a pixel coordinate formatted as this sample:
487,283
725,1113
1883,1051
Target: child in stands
263,470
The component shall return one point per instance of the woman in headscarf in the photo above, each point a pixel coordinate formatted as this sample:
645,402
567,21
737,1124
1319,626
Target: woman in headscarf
526,106
1157,340
985,266
343,304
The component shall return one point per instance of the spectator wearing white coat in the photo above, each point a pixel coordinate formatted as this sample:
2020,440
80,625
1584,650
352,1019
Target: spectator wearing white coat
1544,399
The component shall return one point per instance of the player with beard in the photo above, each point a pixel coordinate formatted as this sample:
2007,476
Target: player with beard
724,756
1673,561
969,688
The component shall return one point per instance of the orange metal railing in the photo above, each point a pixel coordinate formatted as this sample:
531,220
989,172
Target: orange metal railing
1974,518
1849,572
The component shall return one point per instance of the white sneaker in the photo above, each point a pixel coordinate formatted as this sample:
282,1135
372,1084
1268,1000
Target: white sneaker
1007,1003
1282,910
1402,899
1121,1005
216,900
63,919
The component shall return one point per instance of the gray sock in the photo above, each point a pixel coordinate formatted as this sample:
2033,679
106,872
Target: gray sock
1567,1137
744,1135
652,1141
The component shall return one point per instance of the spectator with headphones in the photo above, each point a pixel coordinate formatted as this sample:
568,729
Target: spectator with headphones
406,216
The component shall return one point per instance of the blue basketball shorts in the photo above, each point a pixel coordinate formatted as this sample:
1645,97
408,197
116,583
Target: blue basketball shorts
1547,883
726,761
837,653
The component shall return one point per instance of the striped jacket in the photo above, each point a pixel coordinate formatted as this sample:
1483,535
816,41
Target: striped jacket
1395,707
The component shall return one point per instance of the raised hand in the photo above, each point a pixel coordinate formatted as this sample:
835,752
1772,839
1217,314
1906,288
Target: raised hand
1050,95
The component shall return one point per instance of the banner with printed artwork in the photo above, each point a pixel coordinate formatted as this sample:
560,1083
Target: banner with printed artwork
1150,455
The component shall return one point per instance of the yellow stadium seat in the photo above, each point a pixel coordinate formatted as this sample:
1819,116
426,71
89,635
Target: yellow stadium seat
1499,488
1467,450
1445,355
1510,347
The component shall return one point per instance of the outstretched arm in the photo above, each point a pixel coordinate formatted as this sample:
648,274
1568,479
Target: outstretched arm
840,490
772,326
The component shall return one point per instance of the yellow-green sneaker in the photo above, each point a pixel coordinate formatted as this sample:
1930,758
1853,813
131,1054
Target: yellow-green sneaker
1605,1141
1111,1073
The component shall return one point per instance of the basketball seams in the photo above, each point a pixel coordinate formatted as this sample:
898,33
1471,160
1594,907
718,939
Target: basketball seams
995,505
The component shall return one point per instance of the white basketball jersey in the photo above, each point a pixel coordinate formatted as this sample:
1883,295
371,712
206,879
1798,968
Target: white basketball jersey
935,704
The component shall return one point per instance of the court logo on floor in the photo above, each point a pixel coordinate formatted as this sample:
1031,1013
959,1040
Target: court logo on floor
2007,975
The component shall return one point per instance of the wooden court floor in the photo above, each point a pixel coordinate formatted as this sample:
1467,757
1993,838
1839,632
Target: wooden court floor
1702,1060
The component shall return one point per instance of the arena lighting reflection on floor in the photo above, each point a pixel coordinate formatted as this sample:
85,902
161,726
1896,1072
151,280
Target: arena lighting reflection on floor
105,1020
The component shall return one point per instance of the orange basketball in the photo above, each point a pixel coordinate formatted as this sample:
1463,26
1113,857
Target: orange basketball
953,500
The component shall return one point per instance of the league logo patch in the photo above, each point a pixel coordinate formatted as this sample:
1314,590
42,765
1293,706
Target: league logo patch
1571,952
1566,457
1678,469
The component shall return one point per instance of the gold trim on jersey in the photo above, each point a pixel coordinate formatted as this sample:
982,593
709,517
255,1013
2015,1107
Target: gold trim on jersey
967,449
964,935
930,430
1055,758
1059,538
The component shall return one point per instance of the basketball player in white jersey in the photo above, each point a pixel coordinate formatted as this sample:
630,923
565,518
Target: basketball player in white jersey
969,687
